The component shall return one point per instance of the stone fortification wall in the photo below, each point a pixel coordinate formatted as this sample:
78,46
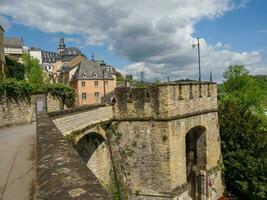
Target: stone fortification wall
23,111
146,132
164,102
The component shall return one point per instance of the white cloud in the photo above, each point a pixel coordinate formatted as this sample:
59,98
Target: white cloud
262,31
155,35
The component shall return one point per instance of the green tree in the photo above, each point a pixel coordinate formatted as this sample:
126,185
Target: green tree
33,70
243,135
14,69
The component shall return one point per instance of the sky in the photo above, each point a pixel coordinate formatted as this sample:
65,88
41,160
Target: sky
152,36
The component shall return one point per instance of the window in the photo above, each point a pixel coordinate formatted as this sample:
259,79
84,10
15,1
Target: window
96,94
84,75
106,83
83,84
96,83
83,95
95,75
105,75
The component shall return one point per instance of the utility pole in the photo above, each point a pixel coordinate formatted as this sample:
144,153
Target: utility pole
93,57
142,76
199,69
210,77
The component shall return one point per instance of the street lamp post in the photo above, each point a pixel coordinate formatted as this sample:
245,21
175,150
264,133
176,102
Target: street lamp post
104,86
199,69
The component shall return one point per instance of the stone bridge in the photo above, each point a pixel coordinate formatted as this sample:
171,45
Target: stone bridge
160,142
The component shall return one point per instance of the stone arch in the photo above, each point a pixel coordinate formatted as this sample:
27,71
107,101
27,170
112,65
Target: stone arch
196,160
91,146
88,144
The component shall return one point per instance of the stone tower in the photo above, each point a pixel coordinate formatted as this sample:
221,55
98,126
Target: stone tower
167,143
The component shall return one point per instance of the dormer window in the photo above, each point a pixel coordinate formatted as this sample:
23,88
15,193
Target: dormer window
84,75
95,74
105,75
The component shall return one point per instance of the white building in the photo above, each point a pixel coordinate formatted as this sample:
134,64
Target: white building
46,58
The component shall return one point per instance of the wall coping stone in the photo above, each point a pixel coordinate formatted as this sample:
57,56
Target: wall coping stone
75,110
61,173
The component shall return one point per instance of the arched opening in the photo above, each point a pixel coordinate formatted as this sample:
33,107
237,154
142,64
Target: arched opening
195,160
88,144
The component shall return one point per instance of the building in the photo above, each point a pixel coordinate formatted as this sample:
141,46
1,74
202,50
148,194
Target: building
67,71
46,58
2,55
13,47
92,82
66,54
113,71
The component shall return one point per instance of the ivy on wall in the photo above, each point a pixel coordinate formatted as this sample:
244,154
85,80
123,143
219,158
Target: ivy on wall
22,90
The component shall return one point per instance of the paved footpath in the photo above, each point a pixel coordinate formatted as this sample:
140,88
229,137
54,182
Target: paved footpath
16,162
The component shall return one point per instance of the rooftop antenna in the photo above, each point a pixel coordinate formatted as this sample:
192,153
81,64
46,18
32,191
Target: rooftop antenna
199,70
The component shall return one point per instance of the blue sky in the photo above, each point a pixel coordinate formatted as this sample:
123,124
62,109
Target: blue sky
156,41
244,29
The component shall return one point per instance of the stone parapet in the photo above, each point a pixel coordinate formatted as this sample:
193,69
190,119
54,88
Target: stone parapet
79,118
165,101
61,173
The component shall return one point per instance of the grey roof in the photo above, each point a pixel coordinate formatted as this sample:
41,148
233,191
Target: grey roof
71,51
68,54
88,68
34,49
13,42
49,57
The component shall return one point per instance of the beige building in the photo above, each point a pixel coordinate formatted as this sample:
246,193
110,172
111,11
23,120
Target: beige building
92,82
2,55
13,47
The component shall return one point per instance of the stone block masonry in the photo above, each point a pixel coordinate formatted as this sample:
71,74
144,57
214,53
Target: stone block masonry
23,111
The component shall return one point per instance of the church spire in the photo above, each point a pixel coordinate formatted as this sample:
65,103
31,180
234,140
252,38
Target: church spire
61,45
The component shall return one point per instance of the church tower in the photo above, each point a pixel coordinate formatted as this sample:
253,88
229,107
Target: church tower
61,46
